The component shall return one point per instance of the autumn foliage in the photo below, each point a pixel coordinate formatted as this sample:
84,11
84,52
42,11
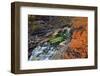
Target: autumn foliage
78,47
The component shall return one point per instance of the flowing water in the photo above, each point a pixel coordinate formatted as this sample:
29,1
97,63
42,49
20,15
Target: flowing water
48,51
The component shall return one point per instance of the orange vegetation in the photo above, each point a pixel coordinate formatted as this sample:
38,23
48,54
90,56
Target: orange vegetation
79,41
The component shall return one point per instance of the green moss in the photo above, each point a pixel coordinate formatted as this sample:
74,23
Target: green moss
56,40
59,37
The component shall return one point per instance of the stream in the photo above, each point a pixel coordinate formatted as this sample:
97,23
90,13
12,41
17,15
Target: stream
48,51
